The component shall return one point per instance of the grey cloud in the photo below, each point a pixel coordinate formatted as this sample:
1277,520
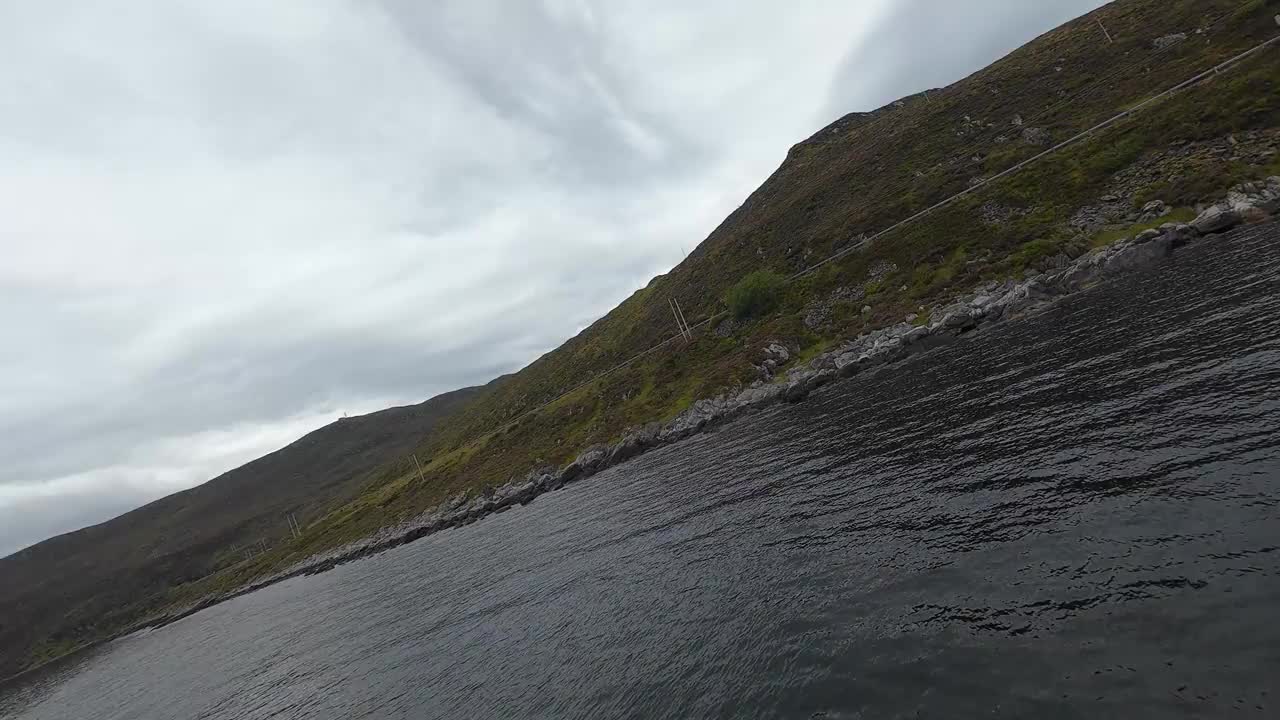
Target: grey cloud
924,44
36,518
550,71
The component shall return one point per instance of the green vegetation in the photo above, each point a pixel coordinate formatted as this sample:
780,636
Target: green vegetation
1178,215
858,179
757,294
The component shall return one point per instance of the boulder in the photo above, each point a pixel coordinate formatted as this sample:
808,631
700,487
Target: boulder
1167,41
778,353
1147,236
634,442
1154,209
1216,219
1134,256
797,391
586,464
915,335
1181,233
958,318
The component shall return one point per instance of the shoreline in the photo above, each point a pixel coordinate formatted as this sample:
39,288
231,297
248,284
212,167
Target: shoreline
988,304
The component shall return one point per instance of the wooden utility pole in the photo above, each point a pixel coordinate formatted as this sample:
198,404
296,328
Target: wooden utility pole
421,478
680,323
1104,30
688,331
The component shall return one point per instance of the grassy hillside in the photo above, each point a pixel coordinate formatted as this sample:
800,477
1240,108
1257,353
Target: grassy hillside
854,178
860,175
56,594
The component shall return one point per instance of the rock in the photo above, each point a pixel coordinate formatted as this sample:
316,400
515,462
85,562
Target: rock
1153,210
456,501
994,213
1132,256
1183,233
796,392
817,316
915,336
1216,219
586,464
726,328
759,395
911,317
957,318
634,442
825,361
804,381
866,309
1248,201
879,272
982,302
1147,236
778,353
1166,41
1036,136
823,377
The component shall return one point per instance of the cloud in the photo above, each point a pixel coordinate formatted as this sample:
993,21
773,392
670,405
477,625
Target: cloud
925,44
224,224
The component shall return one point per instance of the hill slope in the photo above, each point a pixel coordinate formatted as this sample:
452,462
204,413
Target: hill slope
66,588
853,179
861,175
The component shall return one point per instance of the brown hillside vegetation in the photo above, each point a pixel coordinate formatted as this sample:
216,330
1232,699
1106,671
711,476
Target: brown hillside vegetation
54,594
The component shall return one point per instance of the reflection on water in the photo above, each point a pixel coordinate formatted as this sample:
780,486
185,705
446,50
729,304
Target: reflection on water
1066,515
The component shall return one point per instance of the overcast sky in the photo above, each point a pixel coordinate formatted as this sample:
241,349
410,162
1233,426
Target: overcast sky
224,224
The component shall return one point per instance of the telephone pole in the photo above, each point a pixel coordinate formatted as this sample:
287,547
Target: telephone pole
1104,30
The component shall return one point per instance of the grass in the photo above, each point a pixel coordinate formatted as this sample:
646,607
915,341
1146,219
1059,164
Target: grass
1107,237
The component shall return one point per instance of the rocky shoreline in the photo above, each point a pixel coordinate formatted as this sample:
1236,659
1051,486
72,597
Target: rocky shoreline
990,303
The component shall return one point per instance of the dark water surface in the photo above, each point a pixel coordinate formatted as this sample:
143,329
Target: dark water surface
1069,516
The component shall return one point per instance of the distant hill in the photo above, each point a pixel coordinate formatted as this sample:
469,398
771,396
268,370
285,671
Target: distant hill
67,587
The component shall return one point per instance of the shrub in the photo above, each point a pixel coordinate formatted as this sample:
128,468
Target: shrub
756,294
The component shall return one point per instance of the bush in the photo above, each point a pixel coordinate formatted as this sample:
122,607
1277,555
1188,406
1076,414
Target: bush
756,294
